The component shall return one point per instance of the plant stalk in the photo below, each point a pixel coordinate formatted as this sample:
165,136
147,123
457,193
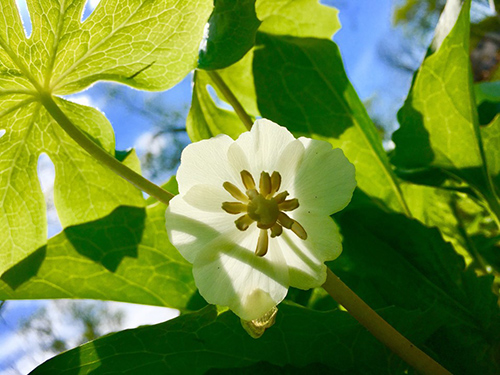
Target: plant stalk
379,328
100,155
228,94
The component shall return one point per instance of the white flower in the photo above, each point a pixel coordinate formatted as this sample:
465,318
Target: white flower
253,215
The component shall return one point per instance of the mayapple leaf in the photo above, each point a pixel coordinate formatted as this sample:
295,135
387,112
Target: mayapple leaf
491,142
204,342
205,119
231,33
145,44
301,18
391,260
312,96
439,122
124,256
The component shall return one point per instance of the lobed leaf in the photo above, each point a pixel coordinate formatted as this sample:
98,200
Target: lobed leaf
145,44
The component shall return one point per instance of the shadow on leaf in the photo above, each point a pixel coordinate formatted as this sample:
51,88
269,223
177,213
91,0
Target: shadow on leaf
108,240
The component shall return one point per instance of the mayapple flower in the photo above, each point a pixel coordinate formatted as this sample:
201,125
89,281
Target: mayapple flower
253,215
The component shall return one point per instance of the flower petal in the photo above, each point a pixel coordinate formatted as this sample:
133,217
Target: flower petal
263,145
325,179
206,162
305,258
196,218
288,164
228,273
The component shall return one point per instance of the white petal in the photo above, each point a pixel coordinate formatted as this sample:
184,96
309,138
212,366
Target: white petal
190,226
288,164
206,162
305,258
230,274
263,145
325,180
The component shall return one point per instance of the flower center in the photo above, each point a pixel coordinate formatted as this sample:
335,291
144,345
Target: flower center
264,206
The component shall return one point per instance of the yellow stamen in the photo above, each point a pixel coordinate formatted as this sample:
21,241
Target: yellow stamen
285,220
281,197
235,192
247,179
243,222
275,183
234,207
299,230
276,230
262,243
289,205
264,207
265,184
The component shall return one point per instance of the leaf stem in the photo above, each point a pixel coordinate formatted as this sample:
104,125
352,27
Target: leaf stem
101,155
228,94
379,328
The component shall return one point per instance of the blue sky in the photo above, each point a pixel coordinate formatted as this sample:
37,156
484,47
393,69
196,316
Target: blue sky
366,24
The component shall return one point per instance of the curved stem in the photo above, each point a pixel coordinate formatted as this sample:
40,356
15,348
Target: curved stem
379,328
228,94
100,155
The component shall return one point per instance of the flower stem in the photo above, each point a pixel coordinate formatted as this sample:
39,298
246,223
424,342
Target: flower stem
228,94
100,155
379,328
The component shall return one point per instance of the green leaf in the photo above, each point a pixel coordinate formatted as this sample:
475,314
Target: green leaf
231,33
301,18
491,143
439,125
148,45
84,190
312,96
125,256
202,341
390,260
205,119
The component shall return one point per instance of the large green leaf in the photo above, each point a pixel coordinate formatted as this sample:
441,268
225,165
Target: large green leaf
439,124
145,44
491,142
125,256
302,18
390,260
301,340
312,96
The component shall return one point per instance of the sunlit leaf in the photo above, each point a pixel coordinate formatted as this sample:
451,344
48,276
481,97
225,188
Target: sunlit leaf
144,44
125,256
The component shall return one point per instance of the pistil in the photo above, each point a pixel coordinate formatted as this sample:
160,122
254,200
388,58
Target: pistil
263,206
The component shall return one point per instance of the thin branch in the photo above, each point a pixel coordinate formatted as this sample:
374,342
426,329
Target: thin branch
100,155
228,94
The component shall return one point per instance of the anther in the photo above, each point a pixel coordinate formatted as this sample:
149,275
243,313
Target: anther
299,230
281,197
262,243
289,205
247,179
265,184
285,220
234,207
235,192
243,222
276,230
275,183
